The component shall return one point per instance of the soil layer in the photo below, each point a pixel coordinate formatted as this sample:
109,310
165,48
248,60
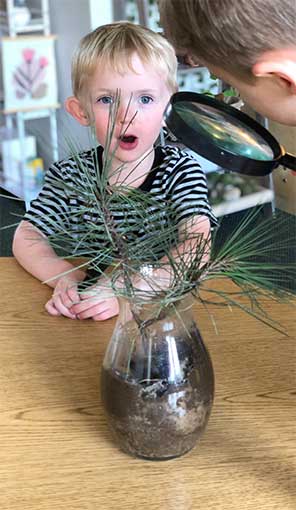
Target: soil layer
157,419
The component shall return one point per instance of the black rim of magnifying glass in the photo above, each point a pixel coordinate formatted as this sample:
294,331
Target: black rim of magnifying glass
204,146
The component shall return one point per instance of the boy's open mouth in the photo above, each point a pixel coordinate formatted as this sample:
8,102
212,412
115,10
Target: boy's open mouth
128,142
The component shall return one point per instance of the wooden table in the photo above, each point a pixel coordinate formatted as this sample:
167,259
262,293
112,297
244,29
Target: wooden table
56,450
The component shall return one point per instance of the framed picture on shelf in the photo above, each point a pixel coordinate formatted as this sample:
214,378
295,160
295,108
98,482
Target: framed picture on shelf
29,73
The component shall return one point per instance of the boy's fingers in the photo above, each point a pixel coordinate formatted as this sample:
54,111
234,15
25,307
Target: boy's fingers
104,315
85,305
67,301
97,293
69,298
59,305
66,292
51,309
73,294
94,310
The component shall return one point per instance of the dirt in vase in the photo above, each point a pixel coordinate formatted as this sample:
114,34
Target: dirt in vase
158,419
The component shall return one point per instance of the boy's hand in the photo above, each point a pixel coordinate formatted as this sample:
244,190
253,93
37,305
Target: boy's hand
64,296
94,306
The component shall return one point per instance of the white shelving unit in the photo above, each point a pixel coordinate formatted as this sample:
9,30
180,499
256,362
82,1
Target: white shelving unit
14,13
263,196
21,18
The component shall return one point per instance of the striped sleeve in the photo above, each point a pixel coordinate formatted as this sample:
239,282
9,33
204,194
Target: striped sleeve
188,190
51,207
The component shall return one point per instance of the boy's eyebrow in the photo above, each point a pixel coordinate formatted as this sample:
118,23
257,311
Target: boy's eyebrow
113,91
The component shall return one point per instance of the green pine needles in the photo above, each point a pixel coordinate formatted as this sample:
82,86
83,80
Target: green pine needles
133,251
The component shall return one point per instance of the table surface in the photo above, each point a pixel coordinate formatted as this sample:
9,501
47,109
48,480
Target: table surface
55,447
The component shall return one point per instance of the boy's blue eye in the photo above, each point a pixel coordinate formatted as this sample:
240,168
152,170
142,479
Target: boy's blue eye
105,100
146,99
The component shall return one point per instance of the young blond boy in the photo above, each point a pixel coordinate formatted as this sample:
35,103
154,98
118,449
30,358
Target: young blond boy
250,44
142,66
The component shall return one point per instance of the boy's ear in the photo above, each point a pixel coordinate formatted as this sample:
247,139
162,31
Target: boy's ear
280,63
74,107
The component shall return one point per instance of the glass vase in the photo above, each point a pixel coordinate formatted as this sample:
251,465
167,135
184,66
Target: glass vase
157,380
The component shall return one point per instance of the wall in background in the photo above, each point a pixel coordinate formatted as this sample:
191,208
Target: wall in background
70,21
100,12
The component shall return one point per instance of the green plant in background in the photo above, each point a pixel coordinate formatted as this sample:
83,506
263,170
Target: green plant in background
228,186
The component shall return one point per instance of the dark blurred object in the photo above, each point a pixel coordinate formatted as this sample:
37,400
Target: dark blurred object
11,212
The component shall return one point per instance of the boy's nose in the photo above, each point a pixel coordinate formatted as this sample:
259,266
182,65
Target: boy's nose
127,119
127,122
126,115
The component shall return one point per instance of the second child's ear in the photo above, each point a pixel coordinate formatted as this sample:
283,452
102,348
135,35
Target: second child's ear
74,107
280,63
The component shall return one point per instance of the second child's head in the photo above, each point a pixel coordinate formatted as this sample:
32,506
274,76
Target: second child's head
139,64
250,44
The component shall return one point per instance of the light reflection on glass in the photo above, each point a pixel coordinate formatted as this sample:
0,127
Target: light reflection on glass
225,131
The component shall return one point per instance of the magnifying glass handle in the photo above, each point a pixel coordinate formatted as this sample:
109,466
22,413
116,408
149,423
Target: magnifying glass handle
289,161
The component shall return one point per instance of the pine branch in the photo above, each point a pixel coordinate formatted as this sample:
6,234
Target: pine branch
134,252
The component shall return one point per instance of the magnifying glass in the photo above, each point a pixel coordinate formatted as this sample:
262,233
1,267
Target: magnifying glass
225,135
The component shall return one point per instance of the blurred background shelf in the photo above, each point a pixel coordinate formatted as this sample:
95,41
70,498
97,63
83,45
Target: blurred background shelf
28,126
263,196
24,16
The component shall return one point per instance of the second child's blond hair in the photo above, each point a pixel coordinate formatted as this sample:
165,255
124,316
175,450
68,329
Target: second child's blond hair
114,45
231,34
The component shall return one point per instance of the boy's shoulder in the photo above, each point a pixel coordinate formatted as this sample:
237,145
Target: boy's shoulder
173,155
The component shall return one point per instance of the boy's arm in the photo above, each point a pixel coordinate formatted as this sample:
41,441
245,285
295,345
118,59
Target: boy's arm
189,237
32,251
188,193
184,253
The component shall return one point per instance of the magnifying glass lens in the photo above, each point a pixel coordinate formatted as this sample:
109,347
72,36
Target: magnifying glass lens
226,132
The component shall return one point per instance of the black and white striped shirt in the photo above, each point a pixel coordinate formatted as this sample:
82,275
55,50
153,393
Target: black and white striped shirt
175,178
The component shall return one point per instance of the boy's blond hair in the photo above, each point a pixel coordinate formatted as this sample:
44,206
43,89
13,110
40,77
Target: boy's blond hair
114,45
230,34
